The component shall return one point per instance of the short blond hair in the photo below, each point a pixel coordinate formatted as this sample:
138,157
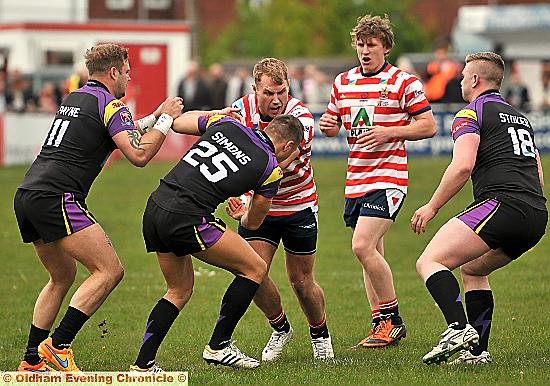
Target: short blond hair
102,57
489,65
274,68
369,26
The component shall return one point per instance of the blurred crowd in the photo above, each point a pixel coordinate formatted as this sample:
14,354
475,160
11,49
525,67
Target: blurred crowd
215,87
442,77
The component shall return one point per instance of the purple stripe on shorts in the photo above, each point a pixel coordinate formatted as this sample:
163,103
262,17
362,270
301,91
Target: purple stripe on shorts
209,233
473,217
76,216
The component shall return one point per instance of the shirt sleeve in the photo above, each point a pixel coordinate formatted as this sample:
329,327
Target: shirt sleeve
117,117
415,101
270,185
465,121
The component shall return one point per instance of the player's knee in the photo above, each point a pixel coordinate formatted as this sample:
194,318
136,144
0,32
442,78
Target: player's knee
420,264
115,275
180,296
258,270
363,250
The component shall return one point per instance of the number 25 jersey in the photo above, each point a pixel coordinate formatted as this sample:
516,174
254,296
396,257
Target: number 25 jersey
228,160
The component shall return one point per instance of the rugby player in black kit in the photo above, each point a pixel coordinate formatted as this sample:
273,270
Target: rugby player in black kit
50,203
228,160
495,145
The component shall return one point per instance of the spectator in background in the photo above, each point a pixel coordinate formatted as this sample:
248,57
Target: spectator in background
77,79
19,96
453,91
440,71
518,93
296,81
545,100
194,90
239,84
217,85
47,100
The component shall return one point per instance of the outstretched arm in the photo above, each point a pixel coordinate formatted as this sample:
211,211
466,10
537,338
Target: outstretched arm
188,123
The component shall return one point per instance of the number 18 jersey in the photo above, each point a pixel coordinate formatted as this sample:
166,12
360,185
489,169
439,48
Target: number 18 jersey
505,164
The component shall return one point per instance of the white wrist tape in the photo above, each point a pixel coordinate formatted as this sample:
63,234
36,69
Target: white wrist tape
146,123
164,123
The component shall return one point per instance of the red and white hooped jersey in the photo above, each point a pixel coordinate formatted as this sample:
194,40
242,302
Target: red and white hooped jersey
390,97
297,190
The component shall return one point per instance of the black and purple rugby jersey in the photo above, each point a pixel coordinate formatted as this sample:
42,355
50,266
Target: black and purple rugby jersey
505,165
79,141
228,160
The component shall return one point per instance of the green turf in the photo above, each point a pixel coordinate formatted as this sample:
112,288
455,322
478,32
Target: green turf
520,343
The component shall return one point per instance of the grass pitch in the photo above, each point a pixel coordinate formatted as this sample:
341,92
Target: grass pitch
520,341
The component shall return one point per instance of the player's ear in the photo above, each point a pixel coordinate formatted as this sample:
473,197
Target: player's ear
289,145
113,72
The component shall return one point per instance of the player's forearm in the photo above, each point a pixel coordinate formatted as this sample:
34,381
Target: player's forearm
420,129
145,147
188,123
256,210
451,183
539,167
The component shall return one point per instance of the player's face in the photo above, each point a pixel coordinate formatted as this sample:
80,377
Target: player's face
467,82
122,81
272,97
371,53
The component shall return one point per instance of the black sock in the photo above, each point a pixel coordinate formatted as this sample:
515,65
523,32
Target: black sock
280,322
69,326
319,330
36,336
445,290
480,305
235,302
160,320
376,321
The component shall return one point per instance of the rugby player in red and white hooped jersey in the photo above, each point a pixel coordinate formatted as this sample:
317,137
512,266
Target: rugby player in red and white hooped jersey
380,107
292,217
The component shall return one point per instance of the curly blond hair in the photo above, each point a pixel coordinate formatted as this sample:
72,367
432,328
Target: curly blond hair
369,26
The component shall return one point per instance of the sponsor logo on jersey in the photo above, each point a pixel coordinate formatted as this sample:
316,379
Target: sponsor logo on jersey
384,93
126,117
362,116
459,124
111,109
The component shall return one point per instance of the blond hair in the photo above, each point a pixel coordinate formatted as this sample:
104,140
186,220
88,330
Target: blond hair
102,57
369,26
489,66
274,68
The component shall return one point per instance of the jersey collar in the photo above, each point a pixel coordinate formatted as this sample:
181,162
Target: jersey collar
96,83
263,136
376,72
487,92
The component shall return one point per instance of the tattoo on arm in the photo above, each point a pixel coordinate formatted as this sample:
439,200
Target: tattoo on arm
135,138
